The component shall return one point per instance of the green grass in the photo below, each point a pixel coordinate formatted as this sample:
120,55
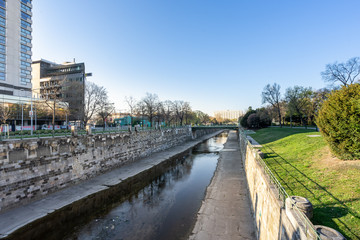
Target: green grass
305,168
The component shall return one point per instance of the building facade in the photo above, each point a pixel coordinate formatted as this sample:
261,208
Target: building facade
228,114
61,82
15,47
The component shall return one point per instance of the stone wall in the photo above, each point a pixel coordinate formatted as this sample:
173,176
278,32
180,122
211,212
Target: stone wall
30,169
273,220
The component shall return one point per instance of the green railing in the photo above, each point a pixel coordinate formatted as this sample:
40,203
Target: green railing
310,231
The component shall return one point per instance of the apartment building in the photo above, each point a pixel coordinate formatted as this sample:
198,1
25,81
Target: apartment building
15,47
228,114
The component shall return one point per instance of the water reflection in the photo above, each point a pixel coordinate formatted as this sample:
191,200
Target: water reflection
167,207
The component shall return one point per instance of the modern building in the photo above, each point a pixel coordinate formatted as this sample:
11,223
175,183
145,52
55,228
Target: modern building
15,47
228,114
61,82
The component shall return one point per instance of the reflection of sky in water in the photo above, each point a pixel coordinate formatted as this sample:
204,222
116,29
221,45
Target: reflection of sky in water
165,209
215,144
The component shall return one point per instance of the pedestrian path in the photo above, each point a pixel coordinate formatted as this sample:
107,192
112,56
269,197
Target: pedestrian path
225,213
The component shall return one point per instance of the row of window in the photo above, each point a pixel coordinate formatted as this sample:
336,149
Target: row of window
25,56
2,76
2,30
25,64
2,57
26,1
25,8
24,48
23,40
2,3
25,24
24,16
24,80
2,12
24,32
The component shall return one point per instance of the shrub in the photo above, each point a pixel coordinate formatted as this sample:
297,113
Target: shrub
339,121
243,121
253,121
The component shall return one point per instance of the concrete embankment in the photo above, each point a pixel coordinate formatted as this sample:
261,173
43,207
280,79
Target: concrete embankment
226,209
50,212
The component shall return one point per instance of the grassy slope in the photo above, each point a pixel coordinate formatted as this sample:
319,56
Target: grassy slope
306,168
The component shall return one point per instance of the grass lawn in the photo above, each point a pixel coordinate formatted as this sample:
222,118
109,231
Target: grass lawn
305,167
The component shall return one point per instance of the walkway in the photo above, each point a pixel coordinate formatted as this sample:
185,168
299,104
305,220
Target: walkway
225,213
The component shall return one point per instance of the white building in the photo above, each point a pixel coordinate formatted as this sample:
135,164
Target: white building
15,47
228,114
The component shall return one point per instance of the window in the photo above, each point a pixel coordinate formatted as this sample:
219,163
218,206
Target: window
23,15
2,30
24,40
25,24
24,32
2,76
2,12
25,72
24,48
26,1
25,64
2,67
2,48
2,3
25,8
24,80
2,57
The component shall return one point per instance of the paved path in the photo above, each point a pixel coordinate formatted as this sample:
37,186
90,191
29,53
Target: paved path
16,218
225,213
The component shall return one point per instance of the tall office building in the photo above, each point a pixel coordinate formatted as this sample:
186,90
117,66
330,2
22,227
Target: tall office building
15,47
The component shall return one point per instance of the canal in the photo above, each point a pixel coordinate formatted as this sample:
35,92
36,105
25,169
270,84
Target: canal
165,208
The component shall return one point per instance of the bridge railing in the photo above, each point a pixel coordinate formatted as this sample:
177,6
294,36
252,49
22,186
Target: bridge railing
310,231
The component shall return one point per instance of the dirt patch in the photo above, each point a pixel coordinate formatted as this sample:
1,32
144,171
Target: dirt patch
326,159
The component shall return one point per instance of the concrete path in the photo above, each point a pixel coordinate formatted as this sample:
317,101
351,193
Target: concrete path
16,218
225,213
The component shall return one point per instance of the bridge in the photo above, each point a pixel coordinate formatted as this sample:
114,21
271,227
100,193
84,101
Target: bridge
231,127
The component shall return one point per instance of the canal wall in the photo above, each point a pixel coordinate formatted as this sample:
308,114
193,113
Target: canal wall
33,168
273,219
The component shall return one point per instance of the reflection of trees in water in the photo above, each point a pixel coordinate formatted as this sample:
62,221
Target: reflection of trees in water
151,195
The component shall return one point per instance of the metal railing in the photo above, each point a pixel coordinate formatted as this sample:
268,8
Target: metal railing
310,231
64,133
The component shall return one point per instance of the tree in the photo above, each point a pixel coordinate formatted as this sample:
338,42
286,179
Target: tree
345,73
253,121
93,97
243,120
6,112
298,99
151,102
131,102
271,95
106,108
167,111
180,109
338,120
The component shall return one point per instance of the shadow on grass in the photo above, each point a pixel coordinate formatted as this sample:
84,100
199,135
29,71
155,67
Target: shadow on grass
268,135
325,212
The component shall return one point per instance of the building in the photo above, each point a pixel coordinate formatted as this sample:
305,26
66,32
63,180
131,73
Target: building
61,82
228,114
15,47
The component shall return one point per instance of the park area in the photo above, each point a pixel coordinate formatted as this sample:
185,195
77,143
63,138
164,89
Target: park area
304,165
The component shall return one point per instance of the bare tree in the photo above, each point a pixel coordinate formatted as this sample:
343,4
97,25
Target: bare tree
271,95
131,102
93,97
345,73
151,102
181,108
6,112
167,108
106,108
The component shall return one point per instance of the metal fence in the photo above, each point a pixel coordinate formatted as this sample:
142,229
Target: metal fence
310,231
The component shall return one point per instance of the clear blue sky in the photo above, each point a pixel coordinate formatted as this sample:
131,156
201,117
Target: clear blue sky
217,55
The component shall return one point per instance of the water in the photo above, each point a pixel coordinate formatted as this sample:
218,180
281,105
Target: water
164,209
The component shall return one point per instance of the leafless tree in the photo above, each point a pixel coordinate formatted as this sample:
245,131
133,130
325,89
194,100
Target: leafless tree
6,112
271,95
151,102
181,108
93,97
105,108
131,102
167,108
345,73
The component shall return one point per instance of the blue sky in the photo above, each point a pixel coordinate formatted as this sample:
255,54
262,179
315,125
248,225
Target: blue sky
217,55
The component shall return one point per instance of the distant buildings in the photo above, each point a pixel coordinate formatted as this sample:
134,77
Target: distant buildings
15,47
228,114
63,82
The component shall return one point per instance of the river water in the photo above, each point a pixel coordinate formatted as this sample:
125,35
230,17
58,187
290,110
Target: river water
164,209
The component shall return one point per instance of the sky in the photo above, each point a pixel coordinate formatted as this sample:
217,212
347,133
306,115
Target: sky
217,55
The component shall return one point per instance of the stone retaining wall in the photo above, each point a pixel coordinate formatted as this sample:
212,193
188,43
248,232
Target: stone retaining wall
30,169
272,219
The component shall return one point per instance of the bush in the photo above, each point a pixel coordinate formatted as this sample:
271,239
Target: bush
243,121
253,121
339,122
